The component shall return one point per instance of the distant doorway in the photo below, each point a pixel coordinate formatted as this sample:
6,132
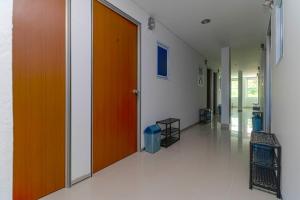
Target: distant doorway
208,104
215,92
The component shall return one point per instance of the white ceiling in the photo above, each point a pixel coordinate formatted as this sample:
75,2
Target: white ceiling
241,24
246,59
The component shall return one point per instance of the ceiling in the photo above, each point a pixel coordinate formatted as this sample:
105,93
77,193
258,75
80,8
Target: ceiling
246,59
240,24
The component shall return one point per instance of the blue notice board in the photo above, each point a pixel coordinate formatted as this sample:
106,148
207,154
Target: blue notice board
162,61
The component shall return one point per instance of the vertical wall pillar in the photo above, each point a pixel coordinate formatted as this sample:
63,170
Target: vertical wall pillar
240,99
81,98
225,86
267,87
6,116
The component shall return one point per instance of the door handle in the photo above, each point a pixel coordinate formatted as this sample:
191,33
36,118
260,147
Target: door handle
135,92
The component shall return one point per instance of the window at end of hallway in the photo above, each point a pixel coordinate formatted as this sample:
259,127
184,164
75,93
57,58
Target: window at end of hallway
234,88
252,90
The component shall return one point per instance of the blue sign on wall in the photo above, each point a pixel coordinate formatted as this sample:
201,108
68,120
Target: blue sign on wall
162,61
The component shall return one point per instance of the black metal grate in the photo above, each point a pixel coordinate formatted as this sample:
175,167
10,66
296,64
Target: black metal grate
266,157
169,134
166,142
171,131
264,139
264,178
265,162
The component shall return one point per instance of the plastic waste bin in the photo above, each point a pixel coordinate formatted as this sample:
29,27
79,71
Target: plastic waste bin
256,123
208,115
152,138
263,154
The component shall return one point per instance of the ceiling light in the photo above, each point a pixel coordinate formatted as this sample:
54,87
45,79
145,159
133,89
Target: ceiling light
205,21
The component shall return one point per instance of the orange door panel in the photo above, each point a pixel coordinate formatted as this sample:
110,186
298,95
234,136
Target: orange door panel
114,79
38,97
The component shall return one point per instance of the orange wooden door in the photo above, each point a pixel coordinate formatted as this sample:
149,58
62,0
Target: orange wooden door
38,97
114,79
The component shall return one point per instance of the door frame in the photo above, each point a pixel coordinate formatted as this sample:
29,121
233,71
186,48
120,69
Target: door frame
68,181
139,99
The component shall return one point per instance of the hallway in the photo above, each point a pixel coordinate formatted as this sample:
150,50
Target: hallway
208,163
80,81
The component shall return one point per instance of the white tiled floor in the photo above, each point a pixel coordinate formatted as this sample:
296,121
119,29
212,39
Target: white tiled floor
208,163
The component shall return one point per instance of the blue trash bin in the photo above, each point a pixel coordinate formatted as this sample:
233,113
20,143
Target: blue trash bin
152,138
263,154
208,115
256,123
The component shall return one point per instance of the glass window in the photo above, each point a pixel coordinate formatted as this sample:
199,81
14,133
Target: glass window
234,88
252,90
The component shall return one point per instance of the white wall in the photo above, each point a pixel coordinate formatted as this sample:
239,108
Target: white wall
285,99
179,96
80,89
6,127
225,85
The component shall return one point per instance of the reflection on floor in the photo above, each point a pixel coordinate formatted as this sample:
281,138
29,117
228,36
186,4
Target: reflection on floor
208,163
241,122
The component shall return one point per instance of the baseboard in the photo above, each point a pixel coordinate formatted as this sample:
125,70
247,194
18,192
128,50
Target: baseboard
80,179
188,127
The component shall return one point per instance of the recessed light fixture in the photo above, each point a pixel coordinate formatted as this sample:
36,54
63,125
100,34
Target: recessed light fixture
205,21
